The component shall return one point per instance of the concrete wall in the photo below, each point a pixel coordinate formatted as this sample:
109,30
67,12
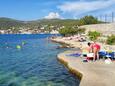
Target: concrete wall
105,29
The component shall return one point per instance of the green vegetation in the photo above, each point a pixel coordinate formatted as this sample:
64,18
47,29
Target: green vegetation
7,23
58,22
65,26
93,35
88,20
111,40
68,31
81,30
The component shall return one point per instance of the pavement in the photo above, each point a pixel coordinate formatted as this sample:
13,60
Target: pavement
90,73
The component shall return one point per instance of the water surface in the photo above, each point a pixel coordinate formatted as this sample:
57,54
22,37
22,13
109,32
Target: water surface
35,64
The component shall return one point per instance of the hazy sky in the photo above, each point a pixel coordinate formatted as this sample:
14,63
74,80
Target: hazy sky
37,9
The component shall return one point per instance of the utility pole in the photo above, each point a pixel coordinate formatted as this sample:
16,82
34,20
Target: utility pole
101,18
112,17
105,18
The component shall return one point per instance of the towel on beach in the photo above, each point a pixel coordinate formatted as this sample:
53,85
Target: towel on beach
74,54
90,55
106,54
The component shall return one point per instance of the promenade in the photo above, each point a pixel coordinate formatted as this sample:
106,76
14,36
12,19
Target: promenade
96,73
91,73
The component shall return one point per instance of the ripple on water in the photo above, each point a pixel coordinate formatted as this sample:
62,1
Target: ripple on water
12,79
33,65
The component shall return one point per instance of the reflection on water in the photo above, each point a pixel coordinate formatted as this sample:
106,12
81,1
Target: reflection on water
35,64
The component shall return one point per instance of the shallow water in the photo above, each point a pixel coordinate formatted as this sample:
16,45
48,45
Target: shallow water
35,64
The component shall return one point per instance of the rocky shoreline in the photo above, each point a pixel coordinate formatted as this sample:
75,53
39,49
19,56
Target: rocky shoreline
71,43
81,45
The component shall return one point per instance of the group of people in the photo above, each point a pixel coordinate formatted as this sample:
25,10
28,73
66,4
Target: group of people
94,48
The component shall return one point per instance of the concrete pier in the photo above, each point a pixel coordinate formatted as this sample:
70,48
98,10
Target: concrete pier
96,73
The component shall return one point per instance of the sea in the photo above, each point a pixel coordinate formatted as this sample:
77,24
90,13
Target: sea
31,60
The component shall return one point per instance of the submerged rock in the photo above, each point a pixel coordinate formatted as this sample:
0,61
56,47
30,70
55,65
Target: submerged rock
64,46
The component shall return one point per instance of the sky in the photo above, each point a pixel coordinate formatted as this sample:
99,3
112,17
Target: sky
49,9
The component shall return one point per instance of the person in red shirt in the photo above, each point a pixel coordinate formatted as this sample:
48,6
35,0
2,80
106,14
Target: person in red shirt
94,48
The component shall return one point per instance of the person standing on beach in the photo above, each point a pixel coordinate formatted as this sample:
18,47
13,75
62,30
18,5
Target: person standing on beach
94,48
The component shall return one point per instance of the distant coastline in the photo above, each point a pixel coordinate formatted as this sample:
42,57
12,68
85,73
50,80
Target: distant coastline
27,32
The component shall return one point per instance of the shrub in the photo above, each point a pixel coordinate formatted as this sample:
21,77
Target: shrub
93,35
68,31
81,30
111,40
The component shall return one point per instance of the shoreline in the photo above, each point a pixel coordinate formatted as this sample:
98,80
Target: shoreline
91,73
86,72
70,69
72,43
82,45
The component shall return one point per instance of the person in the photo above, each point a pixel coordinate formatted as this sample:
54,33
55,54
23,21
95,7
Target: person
89,48
94,48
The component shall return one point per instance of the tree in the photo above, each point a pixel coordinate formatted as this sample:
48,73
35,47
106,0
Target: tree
67,31
48,28
88,20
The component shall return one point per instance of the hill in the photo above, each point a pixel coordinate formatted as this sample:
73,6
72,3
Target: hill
12,24
53,22
7,23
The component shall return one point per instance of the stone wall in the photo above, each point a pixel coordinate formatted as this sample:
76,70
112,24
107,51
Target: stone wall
105,29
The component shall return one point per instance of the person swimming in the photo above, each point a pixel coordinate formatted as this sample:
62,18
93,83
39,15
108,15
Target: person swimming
24,43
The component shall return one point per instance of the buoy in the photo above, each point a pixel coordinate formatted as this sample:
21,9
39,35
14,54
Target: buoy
18,47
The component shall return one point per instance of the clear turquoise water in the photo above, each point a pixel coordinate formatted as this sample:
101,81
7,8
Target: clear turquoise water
35,64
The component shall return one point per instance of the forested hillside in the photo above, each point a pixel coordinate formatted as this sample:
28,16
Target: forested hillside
8,23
